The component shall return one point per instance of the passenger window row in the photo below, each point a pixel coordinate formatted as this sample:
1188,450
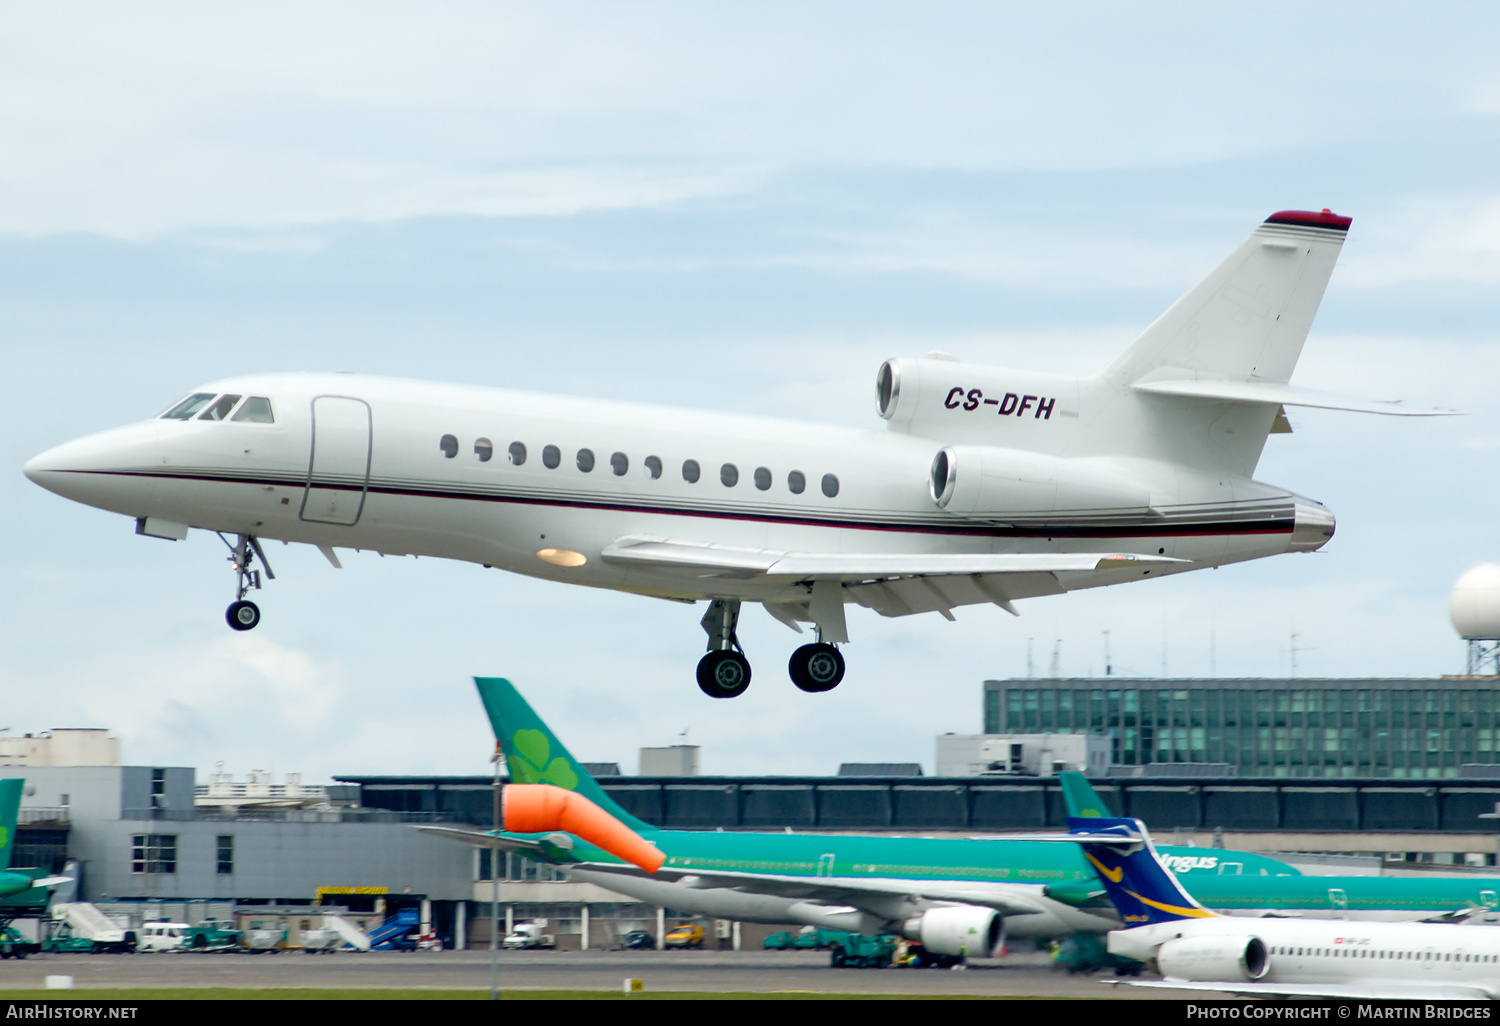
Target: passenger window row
619,465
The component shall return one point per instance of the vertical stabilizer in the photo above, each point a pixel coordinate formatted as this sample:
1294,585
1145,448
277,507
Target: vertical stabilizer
1245,324
10,811
1248,319
534,755
1141,888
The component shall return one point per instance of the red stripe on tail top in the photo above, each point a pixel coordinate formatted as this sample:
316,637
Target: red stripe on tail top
1324,218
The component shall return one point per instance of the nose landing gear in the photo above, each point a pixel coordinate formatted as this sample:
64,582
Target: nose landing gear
724,672
243,615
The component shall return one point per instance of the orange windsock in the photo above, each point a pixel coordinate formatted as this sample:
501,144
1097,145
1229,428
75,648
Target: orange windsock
539,808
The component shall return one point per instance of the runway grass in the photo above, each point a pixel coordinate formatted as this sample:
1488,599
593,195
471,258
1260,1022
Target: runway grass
126,997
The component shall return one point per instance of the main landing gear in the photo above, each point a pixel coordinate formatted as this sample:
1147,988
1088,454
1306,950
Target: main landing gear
243,615
725,672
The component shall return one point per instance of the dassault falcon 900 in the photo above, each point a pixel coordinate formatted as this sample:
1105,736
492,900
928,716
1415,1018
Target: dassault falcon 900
987,486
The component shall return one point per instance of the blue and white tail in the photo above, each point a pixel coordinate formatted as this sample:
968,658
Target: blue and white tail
1142,889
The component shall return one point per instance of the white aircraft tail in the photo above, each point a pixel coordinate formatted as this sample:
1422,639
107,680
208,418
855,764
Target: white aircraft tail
1248,319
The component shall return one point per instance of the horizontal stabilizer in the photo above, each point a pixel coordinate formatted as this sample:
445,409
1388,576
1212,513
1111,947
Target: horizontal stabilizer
1271,393
479,838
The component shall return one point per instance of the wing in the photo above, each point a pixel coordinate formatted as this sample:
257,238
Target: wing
891,584
1007,899
1355,991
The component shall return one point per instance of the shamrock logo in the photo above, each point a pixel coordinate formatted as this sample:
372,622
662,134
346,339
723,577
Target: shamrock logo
530,766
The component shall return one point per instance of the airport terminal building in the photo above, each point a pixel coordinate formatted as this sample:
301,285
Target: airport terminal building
1397,728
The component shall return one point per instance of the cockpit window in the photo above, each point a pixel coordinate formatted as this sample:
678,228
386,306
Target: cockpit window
257,410
189,406
220,409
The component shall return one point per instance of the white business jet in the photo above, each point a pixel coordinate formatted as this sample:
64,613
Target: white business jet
986,486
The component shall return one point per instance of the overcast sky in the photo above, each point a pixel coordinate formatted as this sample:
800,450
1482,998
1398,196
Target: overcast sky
727,206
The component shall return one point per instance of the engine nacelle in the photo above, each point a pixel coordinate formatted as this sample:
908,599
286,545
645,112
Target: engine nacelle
965,402
977,480
1222,957
961,930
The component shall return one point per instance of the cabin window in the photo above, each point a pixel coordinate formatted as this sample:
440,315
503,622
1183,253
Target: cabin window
796,482
762,478
619,463
484,450
729,474
256,410
517,453
551,457
830,485
449,445
189,406
220,409
653,466
585,460
690,471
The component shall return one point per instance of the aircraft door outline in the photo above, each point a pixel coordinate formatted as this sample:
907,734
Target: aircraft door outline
339,449
825,864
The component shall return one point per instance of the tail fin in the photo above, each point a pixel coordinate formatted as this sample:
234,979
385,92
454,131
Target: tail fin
534,755
1081,799
1141,888
10,811
1220,351
1248,319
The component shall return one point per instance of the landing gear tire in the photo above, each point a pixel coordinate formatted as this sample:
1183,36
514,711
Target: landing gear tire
242,616
723,674
817,667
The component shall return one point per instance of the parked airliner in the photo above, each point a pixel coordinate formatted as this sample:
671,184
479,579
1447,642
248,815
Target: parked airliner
1194,949
987,485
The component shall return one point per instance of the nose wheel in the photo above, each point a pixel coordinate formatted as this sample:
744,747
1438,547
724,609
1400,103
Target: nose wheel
817,667
243,615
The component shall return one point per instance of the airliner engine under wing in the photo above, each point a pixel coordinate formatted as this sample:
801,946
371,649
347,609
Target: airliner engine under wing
987,486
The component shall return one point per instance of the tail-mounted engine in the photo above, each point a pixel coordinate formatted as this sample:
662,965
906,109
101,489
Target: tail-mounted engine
956,402
975,480
1213,958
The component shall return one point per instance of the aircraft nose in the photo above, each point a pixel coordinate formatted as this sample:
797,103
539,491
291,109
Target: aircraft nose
101,470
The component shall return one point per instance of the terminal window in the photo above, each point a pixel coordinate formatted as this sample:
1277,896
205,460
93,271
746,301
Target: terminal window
153,853
226,855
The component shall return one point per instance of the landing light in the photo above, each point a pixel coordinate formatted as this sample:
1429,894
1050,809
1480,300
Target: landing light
561,557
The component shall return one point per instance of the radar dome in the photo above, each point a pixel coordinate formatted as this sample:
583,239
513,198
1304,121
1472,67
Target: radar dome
1474,606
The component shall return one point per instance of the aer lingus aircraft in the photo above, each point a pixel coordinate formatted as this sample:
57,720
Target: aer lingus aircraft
13,882
948,894
986,486
1194,949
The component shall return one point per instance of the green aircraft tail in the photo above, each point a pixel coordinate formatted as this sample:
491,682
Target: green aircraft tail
10,811
1082,800
534,755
